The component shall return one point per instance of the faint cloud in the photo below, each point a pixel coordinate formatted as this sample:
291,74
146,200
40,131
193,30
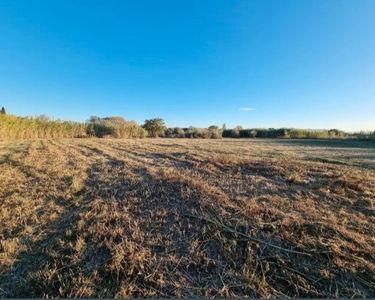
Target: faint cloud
246,109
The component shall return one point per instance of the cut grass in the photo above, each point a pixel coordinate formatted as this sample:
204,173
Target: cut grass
186,218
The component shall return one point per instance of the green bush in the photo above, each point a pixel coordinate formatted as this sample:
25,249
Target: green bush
365,135
99,130
155,127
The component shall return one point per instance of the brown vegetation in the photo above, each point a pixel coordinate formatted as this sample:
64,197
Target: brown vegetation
116,127
42,127
184,218
286,133
13,128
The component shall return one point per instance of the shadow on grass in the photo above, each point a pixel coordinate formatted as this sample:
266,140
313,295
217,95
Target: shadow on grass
195,257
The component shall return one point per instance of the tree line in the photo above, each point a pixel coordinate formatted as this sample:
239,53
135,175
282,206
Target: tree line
14,127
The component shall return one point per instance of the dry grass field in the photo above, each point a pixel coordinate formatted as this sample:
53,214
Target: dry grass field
185,218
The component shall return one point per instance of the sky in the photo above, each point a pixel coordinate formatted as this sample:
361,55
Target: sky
305,64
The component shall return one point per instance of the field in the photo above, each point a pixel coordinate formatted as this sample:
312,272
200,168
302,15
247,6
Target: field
185,218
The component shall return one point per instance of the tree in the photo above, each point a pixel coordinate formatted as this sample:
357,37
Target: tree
115,120
175,132
3,112
94,120
215,132
155,127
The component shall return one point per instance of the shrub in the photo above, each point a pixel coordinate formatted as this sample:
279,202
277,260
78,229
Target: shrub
215,132
155,127
236,132
245,133
283,133
116,127
227,133
365,135
193,132
175,132
99,130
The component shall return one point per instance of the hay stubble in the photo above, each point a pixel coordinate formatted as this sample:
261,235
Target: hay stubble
182,218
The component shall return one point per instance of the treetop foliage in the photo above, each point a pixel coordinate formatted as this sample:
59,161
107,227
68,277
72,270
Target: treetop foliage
155,127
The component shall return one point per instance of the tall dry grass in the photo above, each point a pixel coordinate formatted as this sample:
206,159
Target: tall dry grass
13,127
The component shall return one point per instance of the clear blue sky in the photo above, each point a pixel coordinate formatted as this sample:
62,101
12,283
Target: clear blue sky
307,64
